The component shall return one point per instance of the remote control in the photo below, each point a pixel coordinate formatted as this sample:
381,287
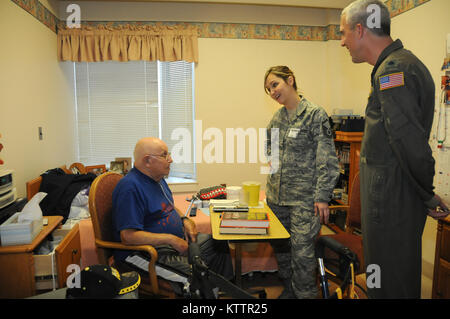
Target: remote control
193,212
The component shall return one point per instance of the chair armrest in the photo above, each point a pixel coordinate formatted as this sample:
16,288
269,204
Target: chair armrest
332,226
338,207
114,245
147,248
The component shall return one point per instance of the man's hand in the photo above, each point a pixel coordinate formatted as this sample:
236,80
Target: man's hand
441,210
323,211
179,244
190,229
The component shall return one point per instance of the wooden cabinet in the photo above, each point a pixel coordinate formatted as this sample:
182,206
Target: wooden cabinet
348,145
19,266
441,277
68,252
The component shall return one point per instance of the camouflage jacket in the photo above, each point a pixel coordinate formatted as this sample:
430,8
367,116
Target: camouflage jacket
305,166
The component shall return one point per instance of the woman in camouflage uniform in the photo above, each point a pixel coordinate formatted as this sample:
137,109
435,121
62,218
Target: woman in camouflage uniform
304,173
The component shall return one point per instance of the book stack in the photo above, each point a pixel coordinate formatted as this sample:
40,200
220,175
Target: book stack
249,223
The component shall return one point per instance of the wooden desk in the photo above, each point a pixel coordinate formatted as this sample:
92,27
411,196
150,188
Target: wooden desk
276,231
17,263
441,277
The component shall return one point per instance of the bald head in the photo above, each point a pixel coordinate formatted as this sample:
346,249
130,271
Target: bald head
149,157
147,145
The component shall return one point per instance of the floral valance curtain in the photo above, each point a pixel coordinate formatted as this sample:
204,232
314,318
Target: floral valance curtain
128,43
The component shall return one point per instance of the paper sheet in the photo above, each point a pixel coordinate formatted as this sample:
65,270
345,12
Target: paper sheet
32,210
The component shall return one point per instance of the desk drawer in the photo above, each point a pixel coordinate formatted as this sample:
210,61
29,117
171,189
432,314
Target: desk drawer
67,252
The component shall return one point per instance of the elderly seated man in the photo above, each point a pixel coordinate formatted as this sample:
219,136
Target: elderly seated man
144,213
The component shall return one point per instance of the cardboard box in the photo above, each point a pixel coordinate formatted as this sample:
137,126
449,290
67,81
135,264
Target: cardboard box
44,283
14,233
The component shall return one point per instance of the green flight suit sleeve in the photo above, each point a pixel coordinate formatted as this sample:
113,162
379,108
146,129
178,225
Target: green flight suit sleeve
407,137
326,166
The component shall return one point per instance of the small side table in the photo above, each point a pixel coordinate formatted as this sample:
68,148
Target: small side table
276,231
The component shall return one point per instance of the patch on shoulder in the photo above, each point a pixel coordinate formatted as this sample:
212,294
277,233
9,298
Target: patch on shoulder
326,129
390,81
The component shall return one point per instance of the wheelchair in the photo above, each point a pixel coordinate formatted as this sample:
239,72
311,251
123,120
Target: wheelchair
337,263
203,282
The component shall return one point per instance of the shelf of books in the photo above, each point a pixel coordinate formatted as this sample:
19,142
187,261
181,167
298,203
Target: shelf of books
348,146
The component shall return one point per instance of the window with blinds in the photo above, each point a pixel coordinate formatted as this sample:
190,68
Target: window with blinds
117,103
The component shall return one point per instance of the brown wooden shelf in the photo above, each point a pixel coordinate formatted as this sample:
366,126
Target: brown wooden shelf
348,136
354,140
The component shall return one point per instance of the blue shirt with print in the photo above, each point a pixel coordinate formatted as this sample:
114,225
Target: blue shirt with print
141,203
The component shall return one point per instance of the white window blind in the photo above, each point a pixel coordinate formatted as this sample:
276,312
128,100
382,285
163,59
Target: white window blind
120,102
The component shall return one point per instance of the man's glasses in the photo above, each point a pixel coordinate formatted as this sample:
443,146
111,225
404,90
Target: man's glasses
165,156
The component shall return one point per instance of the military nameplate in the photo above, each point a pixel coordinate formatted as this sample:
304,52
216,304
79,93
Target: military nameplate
293,132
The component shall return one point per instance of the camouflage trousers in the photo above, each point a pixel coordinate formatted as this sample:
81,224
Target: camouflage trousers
296,259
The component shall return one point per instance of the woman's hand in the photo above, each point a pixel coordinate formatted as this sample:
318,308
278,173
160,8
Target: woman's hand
323,211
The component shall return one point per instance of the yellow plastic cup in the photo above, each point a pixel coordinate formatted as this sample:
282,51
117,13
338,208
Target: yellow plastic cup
251,192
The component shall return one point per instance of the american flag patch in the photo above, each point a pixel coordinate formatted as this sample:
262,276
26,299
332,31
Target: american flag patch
391,81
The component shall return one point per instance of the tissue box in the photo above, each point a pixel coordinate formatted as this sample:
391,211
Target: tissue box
14,233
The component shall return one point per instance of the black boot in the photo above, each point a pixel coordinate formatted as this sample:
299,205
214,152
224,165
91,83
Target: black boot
287,292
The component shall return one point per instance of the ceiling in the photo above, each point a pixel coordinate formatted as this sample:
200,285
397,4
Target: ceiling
334,4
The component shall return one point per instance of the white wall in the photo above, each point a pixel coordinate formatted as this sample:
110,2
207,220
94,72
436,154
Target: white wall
34,92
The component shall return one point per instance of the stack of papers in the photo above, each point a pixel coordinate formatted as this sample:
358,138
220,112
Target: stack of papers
224,202
222,205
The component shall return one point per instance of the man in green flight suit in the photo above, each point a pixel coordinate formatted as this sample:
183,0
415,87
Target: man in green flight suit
396,165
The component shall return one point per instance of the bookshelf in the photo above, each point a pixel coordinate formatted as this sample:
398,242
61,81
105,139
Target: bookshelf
348,146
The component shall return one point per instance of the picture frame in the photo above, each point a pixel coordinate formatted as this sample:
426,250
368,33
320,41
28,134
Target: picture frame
96,169
116,166
127,164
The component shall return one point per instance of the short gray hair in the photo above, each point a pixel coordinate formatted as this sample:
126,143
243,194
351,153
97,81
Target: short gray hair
356,12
